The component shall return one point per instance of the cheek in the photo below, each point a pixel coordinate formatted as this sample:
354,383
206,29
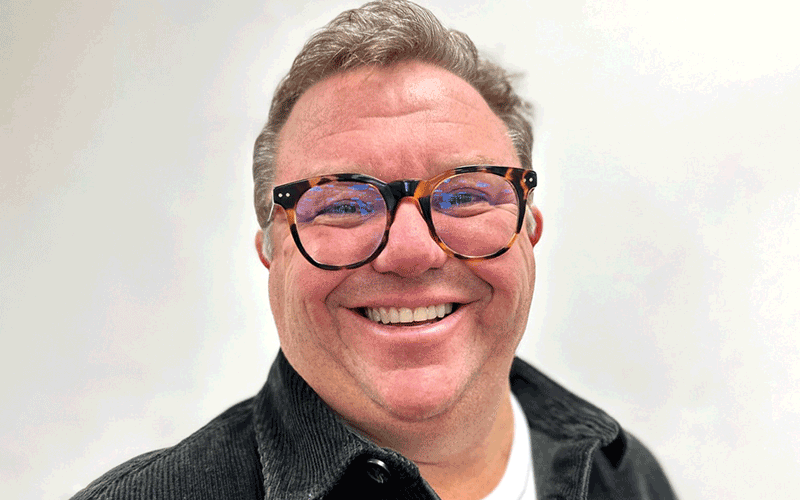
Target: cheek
298,298
286,291
511,278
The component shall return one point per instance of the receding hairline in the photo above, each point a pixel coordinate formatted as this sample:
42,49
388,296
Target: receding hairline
318,104
402,76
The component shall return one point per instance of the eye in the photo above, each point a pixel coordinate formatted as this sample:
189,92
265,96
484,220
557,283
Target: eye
341,204
450,200
461,202
346,207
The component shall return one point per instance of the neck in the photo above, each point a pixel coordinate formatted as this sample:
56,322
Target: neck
462,451
462,454
474,472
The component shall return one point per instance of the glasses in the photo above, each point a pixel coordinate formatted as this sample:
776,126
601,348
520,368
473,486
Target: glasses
342,221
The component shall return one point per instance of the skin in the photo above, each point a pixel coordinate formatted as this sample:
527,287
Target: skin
437,393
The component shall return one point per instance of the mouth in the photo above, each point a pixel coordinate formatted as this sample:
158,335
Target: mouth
407,316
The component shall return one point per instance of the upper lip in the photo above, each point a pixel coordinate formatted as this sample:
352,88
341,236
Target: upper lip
371,290
407,304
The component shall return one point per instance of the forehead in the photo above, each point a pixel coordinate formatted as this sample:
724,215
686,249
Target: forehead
408,120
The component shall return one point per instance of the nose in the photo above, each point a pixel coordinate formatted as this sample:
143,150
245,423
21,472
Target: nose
410,250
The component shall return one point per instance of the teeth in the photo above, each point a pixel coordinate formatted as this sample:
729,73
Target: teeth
406,315
394,315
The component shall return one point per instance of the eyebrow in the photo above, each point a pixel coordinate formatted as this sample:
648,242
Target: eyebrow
444,163
461,161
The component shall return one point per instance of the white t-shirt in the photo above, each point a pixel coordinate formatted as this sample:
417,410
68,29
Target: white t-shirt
517,481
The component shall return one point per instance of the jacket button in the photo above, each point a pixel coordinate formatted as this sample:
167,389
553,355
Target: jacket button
378,471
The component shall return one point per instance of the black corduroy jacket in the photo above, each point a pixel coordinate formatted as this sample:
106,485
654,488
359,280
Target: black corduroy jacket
285,443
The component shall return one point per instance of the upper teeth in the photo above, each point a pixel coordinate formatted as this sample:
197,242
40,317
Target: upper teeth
388,315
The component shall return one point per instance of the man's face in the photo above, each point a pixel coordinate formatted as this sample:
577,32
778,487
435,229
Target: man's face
412,120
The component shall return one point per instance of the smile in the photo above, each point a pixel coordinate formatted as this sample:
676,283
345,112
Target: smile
405,315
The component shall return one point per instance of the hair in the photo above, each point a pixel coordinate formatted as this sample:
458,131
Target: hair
380,34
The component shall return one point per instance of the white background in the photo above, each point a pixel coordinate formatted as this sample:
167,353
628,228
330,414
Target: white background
133,308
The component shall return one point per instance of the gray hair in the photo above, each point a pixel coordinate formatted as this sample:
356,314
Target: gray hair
380,34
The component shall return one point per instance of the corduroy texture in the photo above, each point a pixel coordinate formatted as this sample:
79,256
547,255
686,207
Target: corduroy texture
286,444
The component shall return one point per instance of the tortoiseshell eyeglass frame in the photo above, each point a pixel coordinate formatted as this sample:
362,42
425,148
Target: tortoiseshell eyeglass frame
287,196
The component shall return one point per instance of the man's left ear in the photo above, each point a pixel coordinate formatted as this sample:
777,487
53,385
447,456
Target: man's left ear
537,231
260,248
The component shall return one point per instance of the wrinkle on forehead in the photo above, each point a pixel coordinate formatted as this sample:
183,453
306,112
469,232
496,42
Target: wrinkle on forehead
396,93
406,121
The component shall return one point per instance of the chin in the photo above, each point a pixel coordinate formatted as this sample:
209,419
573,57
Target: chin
419,394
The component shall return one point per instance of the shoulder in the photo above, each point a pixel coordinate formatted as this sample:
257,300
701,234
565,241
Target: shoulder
220,460
628,468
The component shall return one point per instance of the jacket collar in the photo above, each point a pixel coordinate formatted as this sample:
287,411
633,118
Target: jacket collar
556,412
305,449
566,433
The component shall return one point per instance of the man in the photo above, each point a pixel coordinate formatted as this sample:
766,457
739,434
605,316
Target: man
394,192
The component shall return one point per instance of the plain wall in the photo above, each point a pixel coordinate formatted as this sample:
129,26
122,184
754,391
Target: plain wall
133,307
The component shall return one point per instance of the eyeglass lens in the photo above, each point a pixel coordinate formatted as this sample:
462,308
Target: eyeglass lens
343,222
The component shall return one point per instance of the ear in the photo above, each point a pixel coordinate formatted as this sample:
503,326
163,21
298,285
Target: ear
537,232
260,248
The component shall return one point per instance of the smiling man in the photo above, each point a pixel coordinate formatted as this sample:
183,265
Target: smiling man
395,197
412,348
